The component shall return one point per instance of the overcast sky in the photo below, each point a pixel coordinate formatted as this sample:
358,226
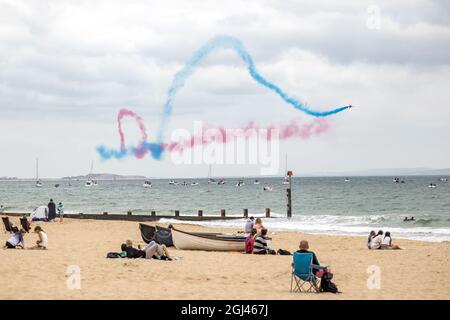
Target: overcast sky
67,67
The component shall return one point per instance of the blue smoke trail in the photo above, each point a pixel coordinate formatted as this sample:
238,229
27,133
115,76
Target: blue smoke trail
226,42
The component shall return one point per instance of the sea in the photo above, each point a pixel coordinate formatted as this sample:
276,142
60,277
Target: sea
320,205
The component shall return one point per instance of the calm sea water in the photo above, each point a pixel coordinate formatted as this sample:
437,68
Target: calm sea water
320,205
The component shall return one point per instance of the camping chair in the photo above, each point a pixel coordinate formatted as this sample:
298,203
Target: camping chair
25,224
302,273
8,225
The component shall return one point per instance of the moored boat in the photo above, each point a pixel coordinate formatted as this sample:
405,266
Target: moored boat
154,233
207,241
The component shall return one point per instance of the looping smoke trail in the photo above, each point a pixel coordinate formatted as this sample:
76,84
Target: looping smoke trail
158,147
228,42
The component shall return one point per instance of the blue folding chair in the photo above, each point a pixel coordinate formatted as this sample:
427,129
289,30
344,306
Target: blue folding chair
302,273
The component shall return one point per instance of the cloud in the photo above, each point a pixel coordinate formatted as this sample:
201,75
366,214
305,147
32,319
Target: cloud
73,65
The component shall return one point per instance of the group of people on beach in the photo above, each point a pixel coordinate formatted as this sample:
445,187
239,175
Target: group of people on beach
18,240
257,241
52,212
380,240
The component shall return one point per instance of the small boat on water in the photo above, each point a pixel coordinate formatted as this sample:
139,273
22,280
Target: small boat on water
154,233
221,181
443,179
256,182
432,185
267,188
183,240
347,180
240,183
38,181
147,184
194,183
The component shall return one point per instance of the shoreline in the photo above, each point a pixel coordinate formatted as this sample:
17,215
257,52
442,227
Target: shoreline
201,275
219,221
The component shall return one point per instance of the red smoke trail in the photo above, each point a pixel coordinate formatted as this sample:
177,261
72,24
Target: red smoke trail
211,134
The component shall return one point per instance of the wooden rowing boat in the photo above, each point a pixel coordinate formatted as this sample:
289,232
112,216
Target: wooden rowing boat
207,241
155,233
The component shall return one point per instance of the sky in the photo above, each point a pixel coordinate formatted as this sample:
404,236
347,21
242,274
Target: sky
68,67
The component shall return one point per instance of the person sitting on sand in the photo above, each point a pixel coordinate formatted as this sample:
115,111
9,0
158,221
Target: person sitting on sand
249,225
376,241
304,248
386,243
258,225
42,243
17,240
260,245
157,251
250,242
369,239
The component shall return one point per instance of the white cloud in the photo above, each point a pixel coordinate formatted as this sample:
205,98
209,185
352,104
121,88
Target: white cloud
68,67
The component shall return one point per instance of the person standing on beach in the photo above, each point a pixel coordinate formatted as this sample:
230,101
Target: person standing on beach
51,210
249,225
61,212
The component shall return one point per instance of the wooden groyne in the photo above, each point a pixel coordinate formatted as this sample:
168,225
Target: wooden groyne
129,216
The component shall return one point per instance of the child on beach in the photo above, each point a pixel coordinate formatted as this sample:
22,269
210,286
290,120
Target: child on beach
17,240
369,239
376,241
60,209
42,243
250,242
386,243
258,225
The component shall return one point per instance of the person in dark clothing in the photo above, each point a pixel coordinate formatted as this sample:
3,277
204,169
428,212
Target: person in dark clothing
51,210
131,252
304,246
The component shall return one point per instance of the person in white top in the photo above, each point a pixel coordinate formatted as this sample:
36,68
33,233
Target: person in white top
42,243
375,243
386,243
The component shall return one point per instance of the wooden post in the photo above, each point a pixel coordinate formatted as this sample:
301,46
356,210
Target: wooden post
245,213
200,213
222,213
289,195
177,213
129,213
267,212
153,213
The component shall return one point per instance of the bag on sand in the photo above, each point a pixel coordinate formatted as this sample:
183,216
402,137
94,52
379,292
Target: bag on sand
326,285
113,255
283,252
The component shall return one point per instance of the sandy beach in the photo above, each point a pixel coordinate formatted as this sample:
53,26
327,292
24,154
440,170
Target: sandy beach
417,272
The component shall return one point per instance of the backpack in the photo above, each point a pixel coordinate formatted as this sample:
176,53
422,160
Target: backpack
113,255
326,285
283,252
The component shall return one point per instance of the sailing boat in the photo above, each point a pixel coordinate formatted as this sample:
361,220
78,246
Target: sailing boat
89,182
38,181
210,180
286,178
